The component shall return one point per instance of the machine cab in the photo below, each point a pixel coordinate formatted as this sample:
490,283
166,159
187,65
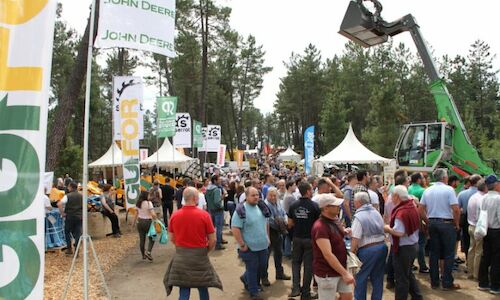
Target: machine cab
421,146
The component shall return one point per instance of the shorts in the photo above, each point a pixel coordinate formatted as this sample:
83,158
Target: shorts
329,286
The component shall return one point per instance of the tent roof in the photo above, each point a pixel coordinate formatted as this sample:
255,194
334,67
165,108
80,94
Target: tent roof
289,154
107,159
167,157
351,151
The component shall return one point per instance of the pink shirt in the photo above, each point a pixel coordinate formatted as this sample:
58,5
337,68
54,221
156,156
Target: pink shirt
144,211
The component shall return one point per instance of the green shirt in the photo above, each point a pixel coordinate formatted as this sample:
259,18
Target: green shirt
416,190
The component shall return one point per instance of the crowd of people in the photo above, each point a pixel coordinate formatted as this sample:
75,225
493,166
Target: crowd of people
324,225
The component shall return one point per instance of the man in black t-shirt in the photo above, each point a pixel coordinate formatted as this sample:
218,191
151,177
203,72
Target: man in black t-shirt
167,200
301,216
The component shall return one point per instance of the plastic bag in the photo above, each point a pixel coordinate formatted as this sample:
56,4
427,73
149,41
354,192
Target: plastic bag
481,225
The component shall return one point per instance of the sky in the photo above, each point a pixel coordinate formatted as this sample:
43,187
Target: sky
284,27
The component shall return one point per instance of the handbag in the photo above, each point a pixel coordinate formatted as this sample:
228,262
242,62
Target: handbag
353,262
481,225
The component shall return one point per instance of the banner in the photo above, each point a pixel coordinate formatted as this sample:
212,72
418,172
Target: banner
26,39
308,149
221,155
143,154
182,137
212,138
147,25
133,87
204,138
239,158
129,127
197,135
166,107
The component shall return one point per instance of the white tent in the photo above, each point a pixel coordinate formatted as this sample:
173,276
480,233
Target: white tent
107,159
351,151
167,156
289,154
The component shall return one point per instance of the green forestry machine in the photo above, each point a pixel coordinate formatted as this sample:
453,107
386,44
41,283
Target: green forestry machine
421,147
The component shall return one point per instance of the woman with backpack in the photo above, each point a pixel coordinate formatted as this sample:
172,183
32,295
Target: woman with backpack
144,217
108,208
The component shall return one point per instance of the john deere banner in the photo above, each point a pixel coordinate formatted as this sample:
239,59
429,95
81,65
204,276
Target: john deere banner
130,119
211,138
132,87
308,149
166,107
137,24
197,135
26,36
182,137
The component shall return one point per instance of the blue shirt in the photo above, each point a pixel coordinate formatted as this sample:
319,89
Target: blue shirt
253,227
464,196
438,199
265,188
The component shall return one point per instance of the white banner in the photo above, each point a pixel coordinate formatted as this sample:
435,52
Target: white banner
147,25
211,138
26,39
143,154
132,87
221,155
182,137
130,128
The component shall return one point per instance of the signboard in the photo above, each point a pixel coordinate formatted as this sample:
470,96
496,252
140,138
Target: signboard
166,107
239,158
147,25
26,38
133,87
308,149
197,134
221,155
182,137
129,127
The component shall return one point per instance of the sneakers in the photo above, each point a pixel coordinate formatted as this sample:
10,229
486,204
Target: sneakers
148,256
265,282
424,271
220,248
242,279
283,277
294,293
495,291
483,288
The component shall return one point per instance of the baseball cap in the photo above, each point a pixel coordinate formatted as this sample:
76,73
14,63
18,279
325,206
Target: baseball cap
325,200
491,179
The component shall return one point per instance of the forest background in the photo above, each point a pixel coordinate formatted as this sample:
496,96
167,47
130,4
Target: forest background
218,73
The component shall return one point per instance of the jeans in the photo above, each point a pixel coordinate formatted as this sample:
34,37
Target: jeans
143,228
389,268
275,248
475,253
168,210
218,220
442,239
302,253
422,240
72,227
489,269
255,265
406,283
373,259
185,292
230,208
114,221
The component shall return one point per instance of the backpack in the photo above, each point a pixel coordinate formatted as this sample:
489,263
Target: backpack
154,197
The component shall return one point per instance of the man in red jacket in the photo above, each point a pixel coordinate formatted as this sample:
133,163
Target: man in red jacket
404,227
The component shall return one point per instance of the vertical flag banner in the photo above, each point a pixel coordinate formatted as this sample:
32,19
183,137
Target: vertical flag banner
133,87
213,137
204,137
221,155
197,135
308,149
137,24
166,107
143,154
240,158
182,137
130,108
26,39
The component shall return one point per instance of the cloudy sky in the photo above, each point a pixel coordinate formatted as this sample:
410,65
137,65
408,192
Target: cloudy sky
286,26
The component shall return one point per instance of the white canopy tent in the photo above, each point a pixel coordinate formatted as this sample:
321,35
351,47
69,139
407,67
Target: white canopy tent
167,156
107,159
351,151
289,155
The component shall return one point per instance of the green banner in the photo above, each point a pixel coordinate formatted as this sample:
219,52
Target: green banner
197,136
166,107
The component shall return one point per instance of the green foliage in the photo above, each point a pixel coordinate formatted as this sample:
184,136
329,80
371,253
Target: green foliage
70,161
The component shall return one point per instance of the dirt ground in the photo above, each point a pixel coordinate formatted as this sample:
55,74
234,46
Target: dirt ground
134,278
